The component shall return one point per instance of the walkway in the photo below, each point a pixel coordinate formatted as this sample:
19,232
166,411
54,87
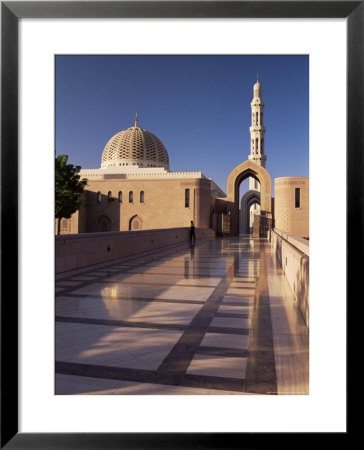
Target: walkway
214,318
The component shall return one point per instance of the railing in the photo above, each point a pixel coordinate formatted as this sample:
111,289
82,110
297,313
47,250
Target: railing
292,256
74,251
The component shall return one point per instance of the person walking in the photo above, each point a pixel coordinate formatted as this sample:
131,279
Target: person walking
192,232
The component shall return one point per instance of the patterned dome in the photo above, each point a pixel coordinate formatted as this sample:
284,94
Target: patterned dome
134,147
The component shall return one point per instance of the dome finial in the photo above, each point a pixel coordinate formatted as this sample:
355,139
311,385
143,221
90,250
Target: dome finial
136,120
257,78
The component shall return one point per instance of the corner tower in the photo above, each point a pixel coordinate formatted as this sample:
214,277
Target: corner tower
257,131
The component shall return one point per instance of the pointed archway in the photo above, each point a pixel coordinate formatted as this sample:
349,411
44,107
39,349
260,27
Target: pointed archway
135,223
245,170
103,224
247,201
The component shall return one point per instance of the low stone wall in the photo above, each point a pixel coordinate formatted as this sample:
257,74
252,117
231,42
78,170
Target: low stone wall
292,255
74,251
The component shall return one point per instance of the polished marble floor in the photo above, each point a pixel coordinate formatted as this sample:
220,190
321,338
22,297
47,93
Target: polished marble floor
217,317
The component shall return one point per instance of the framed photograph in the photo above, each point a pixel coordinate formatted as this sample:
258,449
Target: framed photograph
46,46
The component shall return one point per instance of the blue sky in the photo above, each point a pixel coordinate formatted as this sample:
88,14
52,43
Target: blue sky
198,106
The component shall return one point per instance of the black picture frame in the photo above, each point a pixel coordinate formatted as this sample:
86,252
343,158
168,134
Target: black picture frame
11,12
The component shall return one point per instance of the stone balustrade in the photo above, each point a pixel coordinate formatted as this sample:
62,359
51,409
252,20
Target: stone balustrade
74,251
292,256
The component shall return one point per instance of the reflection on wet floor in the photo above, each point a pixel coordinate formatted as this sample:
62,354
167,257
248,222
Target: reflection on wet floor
180,320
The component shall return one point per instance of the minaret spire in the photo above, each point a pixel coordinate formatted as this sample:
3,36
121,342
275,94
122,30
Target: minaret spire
257,131
136,120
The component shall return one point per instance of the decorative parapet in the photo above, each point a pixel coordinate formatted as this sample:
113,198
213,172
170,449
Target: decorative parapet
100,174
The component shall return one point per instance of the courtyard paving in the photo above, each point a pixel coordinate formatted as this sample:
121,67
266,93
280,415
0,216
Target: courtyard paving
217,317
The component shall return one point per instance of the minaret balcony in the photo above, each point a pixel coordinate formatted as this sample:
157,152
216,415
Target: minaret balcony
260,128
257,102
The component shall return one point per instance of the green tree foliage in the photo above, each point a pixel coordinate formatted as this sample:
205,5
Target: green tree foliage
69,188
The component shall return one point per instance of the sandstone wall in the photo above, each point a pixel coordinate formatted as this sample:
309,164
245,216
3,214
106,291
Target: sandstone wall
289,217
163,205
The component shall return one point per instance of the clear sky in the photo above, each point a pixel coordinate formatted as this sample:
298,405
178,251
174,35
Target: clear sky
197,105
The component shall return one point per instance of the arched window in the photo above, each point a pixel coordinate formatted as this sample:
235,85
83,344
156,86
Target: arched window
109,194
256,118
256,144
135,223
65,225
141,196
131,197
120,197
104,224
99,197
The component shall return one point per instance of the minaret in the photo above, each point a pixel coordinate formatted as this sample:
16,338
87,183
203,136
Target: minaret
257,131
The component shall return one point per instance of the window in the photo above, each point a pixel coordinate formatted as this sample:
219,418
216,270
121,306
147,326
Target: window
131,197
109,194
297,198
256,144
187,198
65,224
99,197
120,197
141,196
256,118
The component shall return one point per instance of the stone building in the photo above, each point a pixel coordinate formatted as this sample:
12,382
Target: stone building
134,189
292,205
250,201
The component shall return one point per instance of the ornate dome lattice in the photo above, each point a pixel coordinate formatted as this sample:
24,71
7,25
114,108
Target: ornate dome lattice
135,147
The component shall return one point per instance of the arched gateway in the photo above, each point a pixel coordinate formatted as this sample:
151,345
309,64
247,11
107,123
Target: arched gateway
245,170
247,201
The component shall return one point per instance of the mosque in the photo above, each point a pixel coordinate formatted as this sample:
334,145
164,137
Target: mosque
134,189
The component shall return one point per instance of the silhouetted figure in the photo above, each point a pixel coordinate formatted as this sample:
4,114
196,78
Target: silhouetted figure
192,232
